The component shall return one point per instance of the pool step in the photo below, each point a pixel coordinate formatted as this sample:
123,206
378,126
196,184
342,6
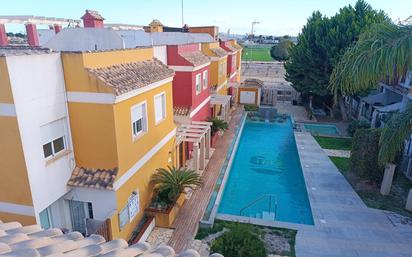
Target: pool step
268,215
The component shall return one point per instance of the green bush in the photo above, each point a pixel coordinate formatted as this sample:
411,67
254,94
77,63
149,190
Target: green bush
241,241
364,154
355,125
251,107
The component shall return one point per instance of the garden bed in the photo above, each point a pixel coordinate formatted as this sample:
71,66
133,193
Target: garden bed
278,241
165,218
369,192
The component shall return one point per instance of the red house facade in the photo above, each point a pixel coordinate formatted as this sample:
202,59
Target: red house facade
191,86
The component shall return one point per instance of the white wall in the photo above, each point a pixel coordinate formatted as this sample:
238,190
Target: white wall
103,201
160,52
39,95
45,35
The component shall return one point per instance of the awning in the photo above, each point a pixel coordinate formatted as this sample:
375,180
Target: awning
220,99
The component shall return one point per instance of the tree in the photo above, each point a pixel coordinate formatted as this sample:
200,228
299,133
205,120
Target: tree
382,53
174,180
321,44
280,51
218,125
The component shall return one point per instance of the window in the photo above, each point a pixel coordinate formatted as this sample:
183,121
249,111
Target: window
198,83
205,79
234,61
53,138
160,107
139,119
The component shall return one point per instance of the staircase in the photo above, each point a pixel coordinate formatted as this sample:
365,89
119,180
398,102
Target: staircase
266,206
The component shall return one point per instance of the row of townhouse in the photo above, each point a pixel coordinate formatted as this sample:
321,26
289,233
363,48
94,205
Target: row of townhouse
83,130
377,107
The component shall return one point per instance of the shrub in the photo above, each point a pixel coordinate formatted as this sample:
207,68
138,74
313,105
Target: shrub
240,241
355,125
218,125
364,154
251,107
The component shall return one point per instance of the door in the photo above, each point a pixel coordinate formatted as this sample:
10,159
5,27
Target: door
79,211
247,97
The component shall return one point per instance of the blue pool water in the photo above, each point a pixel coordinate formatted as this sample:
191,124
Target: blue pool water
322,129
266,179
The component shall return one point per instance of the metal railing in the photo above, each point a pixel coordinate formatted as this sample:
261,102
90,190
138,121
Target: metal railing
271,206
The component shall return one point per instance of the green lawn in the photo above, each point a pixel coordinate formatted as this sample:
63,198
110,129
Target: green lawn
257,54
342,163
369,192
337,143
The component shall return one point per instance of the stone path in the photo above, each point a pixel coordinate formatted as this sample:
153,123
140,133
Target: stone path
344,225
337,153
159,236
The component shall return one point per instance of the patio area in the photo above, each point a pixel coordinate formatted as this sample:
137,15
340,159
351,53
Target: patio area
187,220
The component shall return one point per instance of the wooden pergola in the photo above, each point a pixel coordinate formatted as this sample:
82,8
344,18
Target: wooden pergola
199,134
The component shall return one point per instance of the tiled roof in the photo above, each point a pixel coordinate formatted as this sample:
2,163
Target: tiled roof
94,14
181,110
93,178
126,77
196,58
237,46
22,50
32,241
218,51
231,48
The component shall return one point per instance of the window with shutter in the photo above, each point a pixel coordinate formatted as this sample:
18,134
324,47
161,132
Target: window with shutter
138,119
160,107
198,83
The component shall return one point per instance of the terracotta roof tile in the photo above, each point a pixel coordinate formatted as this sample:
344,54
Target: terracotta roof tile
94,14
237,46
181,110
32,240
126,77
93,178
231,48
218,51
196,58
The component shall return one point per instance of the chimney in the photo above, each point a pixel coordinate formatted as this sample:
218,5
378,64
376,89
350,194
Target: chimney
156,26
92,19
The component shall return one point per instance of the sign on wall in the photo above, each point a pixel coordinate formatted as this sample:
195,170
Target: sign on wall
134,205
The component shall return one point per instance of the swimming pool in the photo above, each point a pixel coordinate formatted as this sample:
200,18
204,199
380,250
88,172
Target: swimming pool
322,129
265,179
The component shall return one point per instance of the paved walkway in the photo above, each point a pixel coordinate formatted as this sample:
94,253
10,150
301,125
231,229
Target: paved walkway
344,225
187,221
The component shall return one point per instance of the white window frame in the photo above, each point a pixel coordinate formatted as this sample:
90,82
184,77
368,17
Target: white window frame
54,153
163,96
234,57
205,79
198,82
144,120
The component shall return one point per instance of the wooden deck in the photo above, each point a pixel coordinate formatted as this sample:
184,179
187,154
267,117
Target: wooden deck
187,221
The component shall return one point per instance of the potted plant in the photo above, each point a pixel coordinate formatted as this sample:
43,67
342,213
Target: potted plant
218,126
169,185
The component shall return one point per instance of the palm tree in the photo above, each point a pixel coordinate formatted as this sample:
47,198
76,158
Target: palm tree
384,52
218,125
175,180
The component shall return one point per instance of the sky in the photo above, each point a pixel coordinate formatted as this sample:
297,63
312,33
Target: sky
276,17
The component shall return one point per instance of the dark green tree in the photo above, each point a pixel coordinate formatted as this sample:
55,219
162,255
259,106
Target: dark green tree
280,51
321,44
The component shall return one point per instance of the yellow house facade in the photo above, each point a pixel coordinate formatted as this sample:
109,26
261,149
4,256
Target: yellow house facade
220,101
121,118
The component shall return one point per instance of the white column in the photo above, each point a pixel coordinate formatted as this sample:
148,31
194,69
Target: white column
387,179
208,138
195,156
202,154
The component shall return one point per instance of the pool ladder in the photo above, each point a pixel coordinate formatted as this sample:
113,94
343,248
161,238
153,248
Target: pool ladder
269,197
